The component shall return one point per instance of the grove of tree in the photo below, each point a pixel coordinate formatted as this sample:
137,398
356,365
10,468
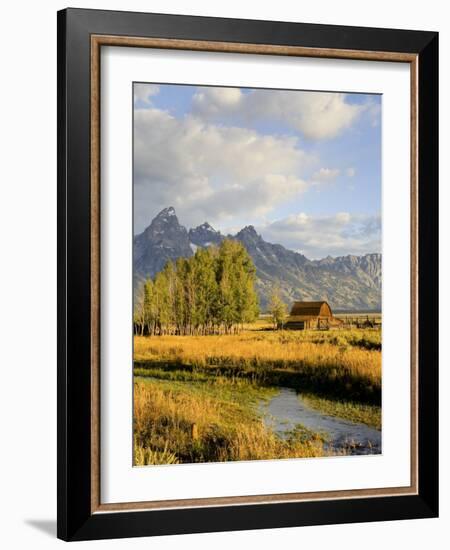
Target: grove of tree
210,293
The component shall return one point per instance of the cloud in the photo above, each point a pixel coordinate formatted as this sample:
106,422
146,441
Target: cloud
319,236
317,115
350,172
325,175
373,109
210,172
142,94
211,102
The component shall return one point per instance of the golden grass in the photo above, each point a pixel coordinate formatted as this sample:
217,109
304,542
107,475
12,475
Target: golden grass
175,424
253,349
327,360
196,397
349,410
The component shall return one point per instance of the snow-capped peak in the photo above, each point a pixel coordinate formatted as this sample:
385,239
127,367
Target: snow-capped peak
166,213
206,226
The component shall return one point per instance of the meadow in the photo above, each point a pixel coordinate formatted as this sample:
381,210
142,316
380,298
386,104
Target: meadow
197,398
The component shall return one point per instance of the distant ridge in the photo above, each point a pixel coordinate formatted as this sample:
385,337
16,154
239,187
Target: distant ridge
347,282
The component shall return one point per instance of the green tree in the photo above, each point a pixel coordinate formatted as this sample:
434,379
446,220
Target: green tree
170,276
139,310
149,307
212,291
161,303
181,309
277,308
236,276
204,279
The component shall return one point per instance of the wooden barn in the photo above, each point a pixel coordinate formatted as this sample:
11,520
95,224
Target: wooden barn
310,315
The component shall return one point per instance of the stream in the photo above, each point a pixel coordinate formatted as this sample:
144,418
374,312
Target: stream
287,408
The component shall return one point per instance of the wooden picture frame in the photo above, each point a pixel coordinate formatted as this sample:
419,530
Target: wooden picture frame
81,35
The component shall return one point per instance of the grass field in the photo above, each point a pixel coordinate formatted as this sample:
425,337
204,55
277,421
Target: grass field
196,397
346,409
193,421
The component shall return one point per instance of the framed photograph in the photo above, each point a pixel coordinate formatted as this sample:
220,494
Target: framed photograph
247,252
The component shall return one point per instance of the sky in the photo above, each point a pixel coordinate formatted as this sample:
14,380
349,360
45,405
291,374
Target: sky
302,167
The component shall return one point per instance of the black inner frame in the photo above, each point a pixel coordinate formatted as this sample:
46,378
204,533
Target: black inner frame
75,521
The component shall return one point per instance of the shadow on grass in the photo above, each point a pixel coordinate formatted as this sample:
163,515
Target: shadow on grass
318,380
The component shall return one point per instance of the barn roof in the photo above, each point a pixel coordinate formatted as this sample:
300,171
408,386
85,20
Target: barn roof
311,309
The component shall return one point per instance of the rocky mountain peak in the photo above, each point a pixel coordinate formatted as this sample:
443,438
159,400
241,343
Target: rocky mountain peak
347,282
166,213
207,227
165,226
248,233
163,240
205,235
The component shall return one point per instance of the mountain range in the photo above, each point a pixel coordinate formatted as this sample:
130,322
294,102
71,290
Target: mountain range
347,283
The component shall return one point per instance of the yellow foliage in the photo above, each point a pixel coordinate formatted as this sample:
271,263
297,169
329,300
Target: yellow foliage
262,349
163,430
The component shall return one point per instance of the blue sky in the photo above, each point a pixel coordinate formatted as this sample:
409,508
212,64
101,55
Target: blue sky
303,167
